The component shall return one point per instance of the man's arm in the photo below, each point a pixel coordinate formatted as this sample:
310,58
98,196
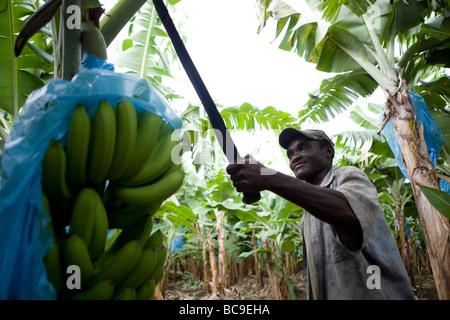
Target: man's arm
325,204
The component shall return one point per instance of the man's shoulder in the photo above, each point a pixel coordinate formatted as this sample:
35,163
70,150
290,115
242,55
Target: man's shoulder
347,172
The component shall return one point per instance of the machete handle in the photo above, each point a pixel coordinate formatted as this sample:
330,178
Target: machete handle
250,198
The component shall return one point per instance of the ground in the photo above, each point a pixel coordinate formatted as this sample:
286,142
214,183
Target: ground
248,289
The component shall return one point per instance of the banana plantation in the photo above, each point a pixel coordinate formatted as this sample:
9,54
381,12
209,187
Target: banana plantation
57,55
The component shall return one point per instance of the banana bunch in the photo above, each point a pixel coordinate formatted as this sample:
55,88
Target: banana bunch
114,171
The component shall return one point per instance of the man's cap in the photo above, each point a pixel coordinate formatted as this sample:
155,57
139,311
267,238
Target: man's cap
288,134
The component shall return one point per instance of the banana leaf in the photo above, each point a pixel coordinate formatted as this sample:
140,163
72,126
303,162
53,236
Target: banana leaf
147,53
363,119
180,215
336,94
331,9
16,82
221,188
439,199
248,117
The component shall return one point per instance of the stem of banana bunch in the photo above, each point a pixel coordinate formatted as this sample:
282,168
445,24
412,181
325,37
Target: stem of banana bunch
147,42
70,34
55,25
114,21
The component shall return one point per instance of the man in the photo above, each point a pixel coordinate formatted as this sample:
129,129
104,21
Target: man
348,248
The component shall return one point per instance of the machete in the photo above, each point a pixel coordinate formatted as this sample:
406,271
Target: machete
226,142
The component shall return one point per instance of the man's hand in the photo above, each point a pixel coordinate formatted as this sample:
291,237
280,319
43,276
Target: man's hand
248,175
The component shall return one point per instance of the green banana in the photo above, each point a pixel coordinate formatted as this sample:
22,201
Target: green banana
158,191
45,203
147,137
76,253
156,240
125,294
92,40
84,212
102,142
54,171
100,232
146,290
158,274
125,139
38,20
117,266
103,290
52,262
143,269
140,231
110,201
126,216
159,161
77,147
159,267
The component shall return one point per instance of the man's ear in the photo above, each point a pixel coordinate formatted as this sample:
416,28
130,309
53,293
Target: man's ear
329,151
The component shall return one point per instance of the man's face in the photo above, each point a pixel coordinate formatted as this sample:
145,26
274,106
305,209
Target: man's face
308,160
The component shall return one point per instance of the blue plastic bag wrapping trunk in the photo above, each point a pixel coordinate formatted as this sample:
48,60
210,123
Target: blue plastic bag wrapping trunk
24,239
432,134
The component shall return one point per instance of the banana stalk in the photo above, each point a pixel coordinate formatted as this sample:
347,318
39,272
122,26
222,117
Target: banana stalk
386,65
55,23
70,45
147,42
113,22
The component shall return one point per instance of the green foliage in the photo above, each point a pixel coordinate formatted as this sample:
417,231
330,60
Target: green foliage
331,9
147,51
21,75
363,34
439,199
248,117
337,94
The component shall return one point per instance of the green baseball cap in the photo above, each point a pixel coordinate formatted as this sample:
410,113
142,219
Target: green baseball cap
288,134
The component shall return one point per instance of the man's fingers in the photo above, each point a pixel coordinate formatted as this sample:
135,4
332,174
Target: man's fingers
240,185
233,168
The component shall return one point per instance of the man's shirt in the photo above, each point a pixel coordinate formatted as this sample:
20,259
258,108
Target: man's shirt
376,270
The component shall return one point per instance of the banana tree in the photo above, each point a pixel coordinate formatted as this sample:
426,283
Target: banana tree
276,224
359,42
169,218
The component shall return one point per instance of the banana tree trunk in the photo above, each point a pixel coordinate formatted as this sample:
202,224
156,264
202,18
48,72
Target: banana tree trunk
403,245
222,263
204,259
421,172
259,278
213,266
273,279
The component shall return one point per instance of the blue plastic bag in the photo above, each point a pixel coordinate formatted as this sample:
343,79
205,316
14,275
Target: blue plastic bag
432,133
24,239
178,242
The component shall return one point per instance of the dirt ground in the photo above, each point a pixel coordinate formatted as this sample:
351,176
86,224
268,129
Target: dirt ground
248,289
